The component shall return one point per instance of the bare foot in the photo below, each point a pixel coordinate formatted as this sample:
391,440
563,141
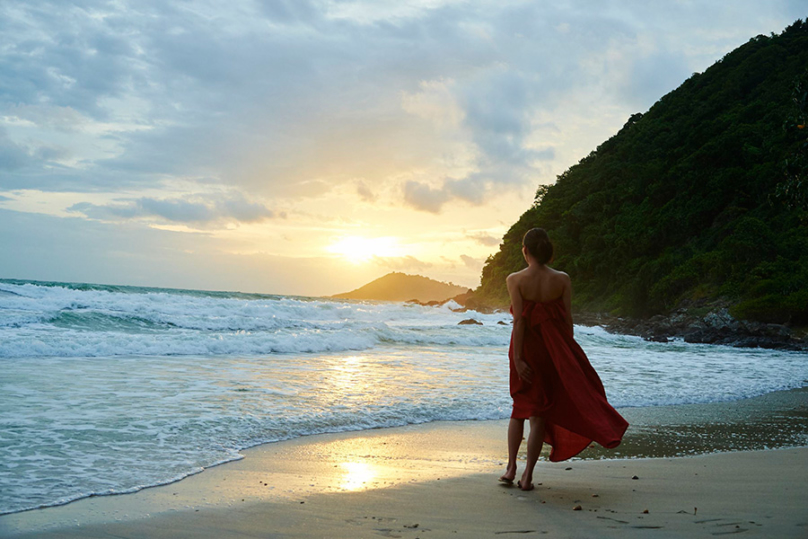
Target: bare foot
508,476
526,483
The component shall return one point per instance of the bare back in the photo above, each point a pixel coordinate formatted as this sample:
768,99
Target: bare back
539,283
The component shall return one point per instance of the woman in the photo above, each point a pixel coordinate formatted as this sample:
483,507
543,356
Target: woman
551,381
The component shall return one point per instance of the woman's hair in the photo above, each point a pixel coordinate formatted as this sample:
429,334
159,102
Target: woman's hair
538,244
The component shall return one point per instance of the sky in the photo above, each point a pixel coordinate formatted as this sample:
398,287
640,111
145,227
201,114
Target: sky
309,146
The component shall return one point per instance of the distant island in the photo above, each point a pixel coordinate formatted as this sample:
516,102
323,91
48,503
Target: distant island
693,219
403,287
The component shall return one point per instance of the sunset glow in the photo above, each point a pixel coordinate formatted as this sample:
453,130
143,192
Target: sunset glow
309,148
357,250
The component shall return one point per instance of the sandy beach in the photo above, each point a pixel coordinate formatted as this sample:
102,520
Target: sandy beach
440,480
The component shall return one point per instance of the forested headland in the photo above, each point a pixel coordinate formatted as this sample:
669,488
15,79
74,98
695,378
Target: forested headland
402,287
700,201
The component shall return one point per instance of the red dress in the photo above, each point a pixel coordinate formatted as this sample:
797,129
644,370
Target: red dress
565,390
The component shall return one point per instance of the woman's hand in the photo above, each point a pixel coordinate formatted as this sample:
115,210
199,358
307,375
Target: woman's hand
524,370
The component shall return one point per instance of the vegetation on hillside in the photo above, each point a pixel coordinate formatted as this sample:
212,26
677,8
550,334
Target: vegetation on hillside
703,197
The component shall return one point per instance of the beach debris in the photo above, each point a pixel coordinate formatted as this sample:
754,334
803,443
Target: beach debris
413,526
595,495
635,477
568,468
645,511
695,510
577,508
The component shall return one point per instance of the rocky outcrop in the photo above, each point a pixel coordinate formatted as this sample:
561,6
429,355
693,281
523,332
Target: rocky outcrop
689,323
466,301
718,326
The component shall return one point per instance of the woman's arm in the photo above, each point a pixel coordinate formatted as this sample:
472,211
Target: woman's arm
525,373
567,298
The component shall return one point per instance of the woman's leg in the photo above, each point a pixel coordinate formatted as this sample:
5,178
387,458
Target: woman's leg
516,430
534,443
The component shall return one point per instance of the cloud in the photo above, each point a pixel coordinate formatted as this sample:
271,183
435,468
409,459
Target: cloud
12,155
74,249
364,192
435,101
65,119
401,263
271,95
423,197
234,208
472,263
484,239
292,11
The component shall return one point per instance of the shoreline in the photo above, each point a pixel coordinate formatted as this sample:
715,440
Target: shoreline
304,484
760,492
771,421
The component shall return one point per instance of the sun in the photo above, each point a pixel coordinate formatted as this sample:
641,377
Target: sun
358,250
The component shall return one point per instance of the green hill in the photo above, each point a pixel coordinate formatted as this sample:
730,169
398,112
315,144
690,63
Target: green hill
701,199
402,287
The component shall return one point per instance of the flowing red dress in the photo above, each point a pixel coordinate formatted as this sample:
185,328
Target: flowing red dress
565,390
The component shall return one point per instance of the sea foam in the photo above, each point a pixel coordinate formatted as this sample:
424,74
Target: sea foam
110,389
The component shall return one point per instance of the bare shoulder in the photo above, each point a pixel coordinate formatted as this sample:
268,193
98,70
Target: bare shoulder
516,276
561,276
514,281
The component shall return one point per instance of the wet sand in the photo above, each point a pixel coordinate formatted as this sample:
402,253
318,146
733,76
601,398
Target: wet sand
439,480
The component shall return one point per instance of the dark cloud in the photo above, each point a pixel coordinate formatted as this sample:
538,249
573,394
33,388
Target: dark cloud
292,11
12,155
265,96
59,54
220,210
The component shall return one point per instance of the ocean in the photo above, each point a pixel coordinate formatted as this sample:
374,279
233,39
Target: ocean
111,389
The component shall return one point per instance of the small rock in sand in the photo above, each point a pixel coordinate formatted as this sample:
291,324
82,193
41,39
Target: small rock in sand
645,511
635,477
577,508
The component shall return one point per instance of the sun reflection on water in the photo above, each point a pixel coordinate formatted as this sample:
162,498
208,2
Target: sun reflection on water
353,378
